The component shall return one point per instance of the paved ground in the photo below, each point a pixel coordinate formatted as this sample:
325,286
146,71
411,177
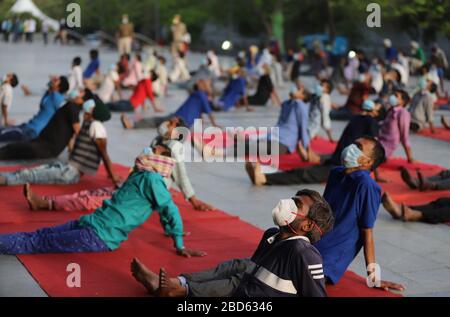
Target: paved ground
417,255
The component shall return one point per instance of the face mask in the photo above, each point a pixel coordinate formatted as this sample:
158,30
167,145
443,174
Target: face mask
49,84
147,151
163,129
284,212
422,83
318,90
5,78
124,21
235,76
350,156
88,105
393,100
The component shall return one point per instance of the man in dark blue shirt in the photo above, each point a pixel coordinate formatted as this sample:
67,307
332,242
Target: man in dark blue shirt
284,264
355,199
360,125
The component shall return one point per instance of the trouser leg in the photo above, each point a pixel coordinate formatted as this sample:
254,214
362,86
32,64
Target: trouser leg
221,281
307,175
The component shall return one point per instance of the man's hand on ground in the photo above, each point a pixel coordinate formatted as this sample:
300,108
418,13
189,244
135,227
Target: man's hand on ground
386,286
190,253
199,205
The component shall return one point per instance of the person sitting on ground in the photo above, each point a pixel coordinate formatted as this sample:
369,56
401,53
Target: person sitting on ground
89,149
50,103
395,128
193,108
290,136
234,93
320,107
435,212
110,85
359,92
59,133
364,124
9,82
439,181
265,90
422,106
76,75
286,252
160,85
92,72
180,72
143,90
135,73
88,200
108,226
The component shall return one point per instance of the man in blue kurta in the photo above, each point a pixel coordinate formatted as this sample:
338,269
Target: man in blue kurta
355,199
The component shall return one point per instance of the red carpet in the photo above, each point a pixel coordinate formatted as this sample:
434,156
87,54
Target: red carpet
441,102
441,134
221,235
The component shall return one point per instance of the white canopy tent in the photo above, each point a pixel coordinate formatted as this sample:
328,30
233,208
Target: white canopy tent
27,6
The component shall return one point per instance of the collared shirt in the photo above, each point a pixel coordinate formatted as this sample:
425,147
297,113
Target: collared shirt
395,129
284,268
293,124
422,109
355,199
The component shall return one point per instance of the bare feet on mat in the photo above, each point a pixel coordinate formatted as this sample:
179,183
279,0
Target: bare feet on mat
423,183
391,207
409,214
35,202
255,173
144,276
126,122
314,158
412,182
169,287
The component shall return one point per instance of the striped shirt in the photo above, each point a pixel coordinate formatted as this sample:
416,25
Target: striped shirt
284,268
85,155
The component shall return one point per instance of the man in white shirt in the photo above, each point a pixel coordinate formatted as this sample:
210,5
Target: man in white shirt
76,75
10,81
110,84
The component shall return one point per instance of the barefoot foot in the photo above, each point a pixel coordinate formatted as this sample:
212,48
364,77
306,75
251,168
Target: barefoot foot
144,276
169,287
391,207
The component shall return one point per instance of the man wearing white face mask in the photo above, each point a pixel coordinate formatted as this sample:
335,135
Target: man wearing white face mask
284,264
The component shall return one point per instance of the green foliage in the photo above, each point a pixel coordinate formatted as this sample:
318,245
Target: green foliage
253,17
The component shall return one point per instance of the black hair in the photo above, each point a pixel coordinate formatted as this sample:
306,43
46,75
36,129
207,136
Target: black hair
76,61
63,84
161,142
399,76
378,152
320,212
93,54
327,82
162,59
405,96
14,81
88,94
433,88
181,54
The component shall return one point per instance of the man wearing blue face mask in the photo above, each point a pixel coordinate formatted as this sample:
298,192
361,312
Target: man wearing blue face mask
355,199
